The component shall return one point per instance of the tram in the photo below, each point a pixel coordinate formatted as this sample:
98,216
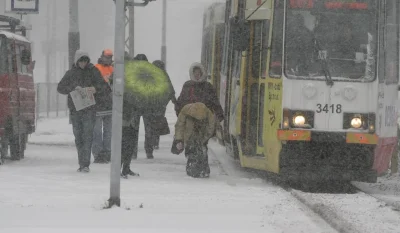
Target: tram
309,87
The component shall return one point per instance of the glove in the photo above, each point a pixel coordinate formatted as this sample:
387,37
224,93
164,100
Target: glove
179,146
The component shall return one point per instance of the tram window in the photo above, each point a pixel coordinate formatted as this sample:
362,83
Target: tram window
221,35
204,61
253,116
391,41
261,115
275,63
209,53
264,51
226,45
3,56
236,64
207,45
203,50
256,49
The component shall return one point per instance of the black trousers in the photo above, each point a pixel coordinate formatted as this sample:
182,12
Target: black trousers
130,139
197,160
83,125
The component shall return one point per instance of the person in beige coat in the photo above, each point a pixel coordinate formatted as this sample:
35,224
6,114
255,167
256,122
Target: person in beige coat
195,126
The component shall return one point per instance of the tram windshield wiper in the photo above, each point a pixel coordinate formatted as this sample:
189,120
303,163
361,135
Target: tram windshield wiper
324,62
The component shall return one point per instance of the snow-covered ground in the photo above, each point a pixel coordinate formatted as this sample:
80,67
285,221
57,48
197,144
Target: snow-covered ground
387,189
44,193
355,213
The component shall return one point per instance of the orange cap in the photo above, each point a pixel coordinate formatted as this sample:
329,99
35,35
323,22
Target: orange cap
107,52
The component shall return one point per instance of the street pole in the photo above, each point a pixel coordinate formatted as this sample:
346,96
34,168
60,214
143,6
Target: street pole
118,92
48,54
131,19
53,55
164,34
73,34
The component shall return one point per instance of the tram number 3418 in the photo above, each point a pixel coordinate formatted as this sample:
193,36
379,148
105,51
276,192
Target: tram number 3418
333,108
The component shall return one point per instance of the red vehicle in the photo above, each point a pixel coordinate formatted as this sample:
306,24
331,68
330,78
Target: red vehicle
17,92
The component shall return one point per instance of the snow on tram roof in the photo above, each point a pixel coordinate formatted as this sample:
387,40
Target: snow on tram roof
11,35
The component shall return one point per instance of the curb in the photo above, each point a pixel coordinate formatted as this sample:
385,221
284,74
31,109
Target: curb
330,216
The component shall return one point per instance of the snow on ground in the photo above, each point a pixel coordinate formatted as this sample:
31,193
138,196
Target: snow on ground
44,193
386,189
359,212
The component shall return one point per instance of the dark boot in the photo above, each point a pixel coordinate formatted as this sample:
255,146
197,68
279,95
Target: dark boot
97,159
127,171
107,156
150,155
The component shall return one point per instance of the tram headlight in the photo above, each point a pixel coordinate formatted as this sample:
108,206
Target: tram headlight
361,121
299,120
356,122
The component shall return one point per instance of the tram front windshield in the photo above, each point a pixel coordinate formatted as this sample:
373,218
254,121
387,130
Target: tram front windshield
344,35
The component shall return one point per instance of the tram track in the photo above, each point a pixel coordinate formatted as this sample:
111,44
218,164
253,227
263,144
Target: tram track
323,211
394,205
336,213
231,169
343,206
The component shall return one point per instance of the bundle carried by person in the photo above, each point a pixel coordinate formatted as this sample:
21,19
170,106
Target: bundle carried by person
195,126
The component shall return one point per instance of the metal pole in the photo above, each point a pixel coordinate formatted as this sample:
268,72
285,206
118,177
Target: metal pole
164,34
64,71
57,103
37,103
73,34
118,93
54,51
48,53
131,23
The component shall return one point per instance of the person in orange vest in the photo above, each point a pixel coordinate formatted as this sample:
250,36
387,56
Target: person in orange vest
101,147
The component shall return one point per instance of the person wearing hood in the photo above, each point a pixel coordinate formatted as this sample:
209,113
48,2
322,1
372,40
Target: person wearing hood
101,147
83,74
194,127
201,93
197,89
160,64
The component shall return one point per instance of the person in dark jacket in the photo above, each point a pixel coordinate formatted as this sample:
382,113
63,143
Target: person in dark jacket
160,64
101,148
197,89
130,130
82,75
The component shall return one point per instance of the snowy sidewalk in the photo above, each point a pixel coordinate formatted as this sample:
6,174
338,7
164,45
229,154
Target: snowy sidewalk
44,193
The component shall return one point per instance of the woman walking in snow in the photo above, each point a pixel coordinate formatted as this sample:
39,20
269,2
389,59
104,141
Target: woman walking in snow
195,108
